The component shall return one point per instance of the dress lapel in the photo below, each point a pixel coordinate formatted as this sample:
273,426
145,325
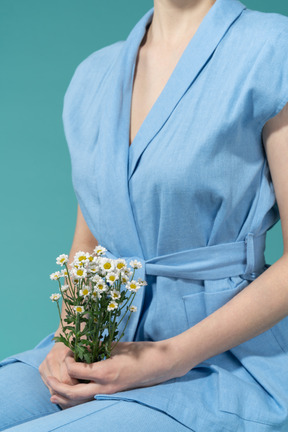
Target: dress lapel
116,161
119,233
197,53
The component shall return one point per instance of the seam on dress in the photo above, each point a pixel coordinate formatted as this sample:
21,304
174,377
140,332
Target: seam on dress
35,417
87,415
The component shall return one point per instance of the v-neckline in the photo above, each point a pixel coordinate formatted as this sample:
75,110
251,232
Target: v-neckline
192,61
148,22
149,18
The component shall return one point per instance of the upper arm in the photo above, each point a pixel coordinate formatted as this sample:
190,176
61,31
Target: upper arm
275,140
83,238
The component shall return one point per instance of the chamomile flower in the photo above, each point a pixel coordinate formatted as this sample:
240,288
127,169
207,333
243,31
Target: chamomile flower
80,257
135,264
80,273
95,295
133,286
115,294
55,297
142,282
127,272
75,279
62,259
106,265
124,278
89,258
64,273
101,287
111,277
112,305
133,308
96,278
93,268
85,291
78,309
55,276
120,264
99,250
64,288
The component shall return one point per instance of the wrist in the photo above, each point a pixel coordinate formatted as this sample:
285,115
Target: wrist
180,362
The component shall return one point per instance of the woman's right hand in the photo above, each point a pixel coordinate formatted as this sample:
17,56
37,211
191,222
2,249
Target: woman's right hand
54,365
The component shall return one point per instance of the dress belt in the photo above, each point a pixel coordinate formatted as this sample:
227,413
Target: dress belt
245,258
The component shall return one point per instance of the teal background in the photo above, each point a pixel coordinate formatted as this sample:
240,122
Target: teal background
41,43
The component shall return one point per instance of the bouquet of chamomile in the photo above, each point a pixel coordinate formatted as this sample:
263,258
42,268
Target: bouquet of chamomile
96,292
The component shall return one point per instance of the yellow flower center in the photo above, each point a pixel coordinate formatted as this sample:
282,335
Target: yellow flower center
133,285
120,265
80,272
79,309
107,266
81,258
85,291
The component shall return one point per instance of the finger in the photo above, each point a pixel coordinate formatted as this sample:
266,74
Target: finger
86,371
60,400
76,392
65,403
44,379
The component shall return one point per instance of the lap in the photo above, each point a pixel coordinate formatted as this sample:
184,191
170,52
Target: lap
25,406
23,395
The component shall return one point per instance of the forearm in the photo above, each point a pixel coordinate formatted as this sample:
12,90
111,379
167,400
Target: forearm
258,307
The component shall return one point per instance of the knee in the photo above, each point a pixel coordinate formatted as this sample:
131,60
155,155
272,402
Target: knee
23,395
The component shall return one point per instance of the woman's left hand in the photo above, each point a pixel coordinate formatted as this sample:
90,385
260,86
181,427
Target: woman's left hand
131,365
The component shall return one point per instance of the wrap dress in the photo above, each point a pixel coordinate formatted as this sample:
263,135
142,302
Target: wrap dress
192,199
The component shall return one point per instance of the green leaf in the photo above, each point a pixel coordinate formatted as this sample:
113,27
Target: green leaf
61,339
87,342
69,319
69,328
79,351
87,358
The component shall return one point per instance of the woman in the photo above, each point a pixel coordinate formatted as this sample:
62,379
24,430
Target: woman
178,142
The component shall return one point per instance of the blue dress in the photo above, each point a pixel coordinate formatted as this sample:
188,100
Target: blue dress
192,198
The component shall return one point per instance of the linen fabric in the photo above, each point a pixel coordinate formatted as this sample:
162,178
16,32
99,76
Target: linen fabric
28,409
192,198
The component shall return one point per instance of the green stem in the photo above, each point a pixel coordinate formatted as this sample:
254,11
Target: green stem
122,334
77,328
59,311
96,334
70,283
128,299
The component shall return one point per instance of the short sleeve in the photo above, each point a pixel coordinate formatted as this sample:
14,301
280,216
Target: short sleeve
82,99
270,78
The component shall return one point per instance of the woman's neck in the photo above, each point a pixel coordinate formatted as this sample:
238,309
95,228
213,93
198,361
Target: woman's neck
176,20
